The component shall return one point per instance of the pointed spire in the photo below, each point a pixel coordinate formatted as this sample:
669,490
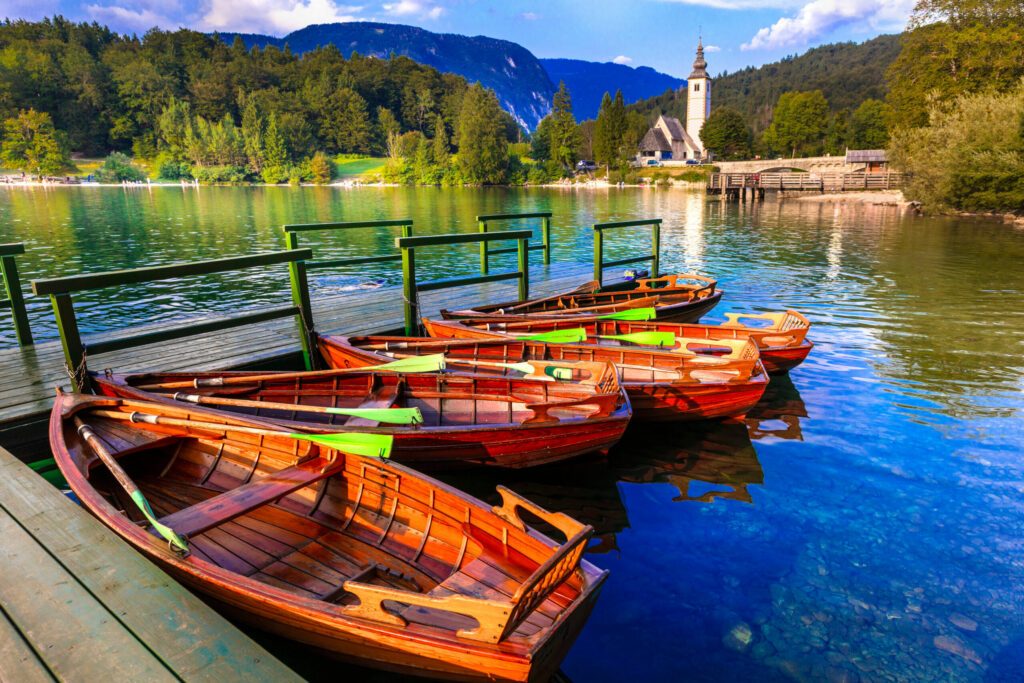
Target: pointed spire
699,65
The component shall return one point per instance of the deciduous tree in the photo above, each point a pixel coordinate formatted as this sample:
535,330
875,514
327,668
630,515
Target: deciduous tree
30,143
726,134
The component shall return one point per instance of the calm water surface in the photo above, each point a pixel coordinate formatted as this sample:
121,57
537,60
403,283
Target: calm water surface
866,523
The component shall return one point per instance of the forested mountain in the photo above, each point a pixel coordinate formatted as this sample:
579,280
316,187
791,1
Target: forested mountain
107,92
515,75
846,73
589,81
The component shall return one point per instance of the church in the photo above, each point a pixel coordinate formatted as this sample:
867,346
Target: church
668,141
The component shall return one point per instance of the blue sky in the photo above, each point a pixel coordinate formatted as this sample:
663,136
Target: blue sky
657,33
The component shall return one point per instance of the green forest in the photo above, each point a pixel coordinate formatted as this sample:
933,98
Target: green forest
195,107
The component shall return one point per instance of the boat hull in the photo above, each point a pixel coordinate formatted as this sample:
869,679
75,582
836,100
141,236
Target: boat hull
780,360
512,447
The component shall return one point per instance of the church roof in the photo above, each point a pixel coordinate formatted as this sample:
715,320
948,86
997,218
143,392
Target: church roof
699,65
675,127
655,141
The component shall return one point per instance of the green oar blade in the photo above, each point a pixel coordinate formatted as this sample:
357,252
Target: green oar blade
431,363
167,532
372,445
398,416
651,338
634,314
570,336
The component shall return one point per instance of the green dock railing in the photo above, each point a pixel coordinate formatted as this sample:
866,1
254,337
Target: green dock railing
291,236
600,264
12,288
545,232
60,290
411,289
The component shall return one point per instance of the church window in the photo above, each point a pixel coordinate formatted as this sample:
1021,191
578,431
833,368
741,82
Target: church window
696,87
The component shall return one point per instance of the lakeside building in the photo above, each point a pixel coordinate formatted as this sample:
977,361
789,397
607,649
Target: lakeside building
668,141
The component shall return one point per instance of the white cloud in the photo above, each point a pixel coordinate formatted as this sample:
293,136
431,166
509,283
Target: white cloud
414,8
820,17
623,59
529,16
137,20
712,48
273,16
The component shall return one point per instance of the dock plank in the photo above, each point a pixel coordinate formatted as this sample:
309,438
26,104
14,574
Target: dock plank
91,608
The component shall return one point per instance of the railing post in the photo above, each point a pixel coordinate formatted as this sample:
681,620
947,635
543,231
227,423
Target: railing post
70,340
299,279
598,256
545,230
410,303
656,244
482,228
13,286
524,270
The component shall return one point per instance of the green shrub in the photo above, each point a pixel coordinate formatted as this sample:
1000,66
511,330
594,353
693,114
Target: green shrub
320,169
219,174
168,168
117,168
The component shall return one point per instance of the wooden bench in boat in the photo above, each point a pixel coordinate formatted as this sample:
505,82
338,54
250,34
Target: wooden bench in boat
238,501
384,397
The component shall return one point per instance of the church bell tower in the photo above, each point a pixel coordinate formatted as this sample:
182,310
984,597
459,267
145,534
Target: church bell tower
698,101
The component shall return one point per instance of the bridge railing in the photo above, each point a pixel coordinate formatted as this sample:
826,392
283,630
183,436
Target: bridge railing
15,299
411,288
60,290
654,257
545,231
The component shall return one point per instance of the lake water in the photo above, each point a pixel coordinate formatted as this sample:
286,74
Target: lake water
866,523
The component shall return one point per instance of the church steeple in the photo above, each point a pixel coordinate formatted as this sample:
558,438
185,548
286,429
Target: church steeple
699,65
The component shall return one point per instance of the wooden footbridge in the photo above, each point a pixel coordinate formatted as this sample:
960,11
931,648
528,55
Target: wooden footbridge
737,186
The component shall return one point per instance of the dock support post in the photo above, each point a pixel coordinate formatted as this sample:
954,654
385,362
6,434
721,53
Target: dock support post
13,286
410,302
545,231
524,269
484,266
70,340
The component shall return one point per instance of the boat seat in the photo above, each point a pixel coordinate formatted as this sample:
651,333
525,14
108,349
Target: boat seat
238,501
385,397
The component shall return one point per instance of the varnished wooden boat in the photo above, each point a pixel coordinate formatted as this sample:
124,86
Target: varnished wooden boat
663,384
358,556
681,297
781,337
467,420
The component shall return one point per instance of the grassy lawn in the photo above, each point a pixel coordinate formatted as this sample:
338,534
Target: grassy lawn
352,168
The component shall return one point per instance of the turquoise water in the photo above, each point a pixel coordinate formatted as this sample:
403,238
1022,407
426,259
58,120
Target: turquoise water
865,523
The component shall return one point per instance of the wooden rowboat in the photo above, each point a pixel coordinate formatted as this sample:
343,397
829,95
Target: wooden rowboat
781,337
662,383
357,556
681,297
563,410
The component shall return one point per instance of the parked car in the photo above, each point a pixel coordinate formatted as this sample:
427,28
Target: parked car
693,162
652,162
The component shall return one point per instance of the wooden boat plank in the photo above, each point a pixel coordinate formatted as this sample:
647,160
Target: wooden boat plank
135,594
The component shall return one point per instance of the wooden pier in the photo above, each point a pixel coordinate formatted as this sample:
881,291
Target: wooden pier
78,604
737,186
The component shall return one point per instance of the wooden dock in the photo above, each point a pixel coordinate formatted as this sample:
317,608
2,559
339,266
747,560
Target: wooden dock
29,374
78,604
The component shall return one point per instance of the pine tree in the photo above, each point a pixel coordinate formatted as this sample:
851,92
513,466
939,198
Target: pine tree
564,135
440,143
275,155
483,148
253,127
610,131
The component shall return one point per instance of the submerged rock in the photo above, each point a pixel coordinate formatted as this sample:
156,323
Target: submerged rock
955,646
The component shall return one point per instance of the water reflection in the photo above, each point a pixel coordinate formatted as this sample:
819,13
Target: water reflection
779,412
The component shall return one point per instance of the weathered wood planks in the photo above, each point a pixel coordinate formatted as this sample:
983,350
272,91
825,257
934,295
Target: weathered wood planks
76,603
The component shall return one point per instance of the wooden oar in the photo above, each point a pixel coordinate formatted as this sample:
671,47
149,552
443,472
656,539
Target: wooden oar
358,443
535,369
650,338
431,363
568,336
634,314
130,487
402,416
